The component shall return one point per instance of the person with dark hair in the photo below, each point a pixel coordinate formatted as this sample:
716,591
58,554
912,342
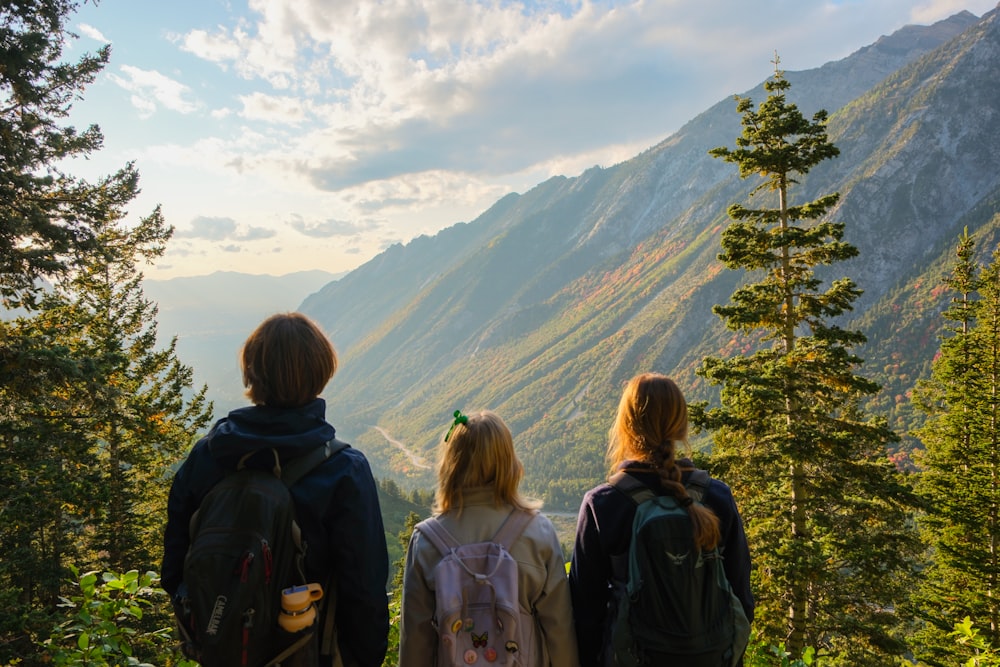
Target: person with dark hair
286,363
650,424
478,476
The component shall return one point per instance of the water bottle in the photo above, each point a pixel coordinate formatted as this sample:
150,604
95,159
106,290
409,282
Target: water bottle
298,610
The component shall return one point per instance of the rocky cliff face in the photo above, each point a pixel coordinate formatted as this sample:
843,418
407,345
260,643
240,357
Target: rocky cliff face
543,305
919,156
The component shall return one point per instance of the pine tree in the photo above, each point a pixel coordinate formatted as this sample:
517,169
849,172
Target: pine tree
133,406
45,481
90,411
960,482
45,212
90,445
826,513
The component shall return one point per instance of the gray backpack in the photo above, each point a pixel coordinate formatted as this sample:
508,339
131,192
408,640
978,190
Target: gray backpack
477,614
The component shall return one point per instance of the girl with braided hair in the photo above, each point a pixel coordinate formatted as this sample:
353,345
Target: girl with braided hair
650,424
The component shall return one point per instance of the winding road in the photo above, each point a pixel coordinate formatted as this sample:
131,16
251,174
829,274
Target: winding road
415,459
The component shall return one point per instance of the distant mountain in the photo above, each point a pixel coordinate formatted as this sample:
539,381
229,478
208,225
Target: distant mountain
543,306
212,315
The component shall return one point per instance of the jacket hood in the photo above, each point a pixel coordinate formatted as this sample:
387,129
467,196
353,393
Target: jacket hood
289,431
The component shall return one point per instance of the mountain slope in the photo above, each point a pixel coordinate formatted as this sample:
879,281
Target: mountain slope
546,303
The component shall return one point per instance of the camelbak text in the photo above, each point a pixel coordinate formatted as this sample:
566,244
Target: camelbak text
217,611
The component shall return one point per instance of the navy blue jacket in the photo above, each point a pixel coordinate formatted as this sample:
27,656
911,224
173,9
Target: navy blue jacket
604,529
336,506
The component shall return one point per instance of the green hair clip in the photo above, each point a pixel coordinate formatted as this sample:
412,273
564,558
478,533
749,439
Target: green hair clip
459,419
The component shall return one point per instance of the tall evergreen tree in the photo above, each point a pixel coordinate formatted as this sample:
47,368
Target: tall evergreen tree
44,213
44,228
44,481
960,481
90,411
90,446
826,513
133,405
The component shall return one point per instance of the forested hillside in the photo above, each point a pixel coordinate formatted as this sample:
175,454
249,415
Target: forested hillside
541,307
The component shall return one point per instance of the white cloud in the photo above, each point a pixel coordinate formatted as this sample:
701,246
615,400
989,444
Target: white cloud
93,33
217,48
270,53
390,118
329,228
151,90
211,229
272,109
341,96
410,86
252,233
221,229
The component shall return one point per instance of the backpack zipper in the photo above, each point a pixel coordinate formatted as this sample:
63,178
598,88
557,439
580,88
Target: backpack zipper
268,560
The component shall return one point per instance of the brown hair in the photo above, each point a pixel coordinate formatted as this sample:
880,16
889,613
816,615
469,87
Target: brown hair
287,361
652,418
476,453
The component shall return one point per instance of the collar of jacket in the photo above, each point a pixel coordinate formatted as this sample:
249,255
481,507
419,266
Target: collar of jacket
258,427
646,465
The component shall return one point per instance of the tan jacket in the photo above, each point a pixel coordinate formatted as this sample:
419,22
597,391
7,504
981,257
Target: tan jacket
543,585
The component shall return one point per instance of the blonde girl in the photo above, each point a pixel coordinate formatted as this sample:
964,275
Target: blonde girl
478,478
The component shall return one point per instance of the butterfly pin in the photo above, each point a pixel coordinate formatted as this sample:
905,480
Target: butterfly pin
479,641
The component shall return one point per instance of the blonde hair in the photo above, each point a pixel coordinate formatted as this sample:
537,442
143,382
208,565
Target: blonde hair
286,361
651,419
479,452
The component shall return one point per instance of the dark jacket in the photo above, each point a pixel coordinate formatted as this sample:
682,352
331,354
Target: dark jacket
604,529
336,506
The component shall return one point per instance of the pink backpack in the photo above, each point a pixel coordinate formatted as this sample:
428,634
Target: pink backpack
477,613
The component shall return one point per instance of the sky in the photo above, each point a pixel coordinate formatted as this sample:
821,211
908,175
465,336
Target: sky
289,135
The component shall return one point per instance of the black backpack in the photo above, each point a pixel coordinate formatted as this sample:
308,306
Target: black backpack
245,549
677,607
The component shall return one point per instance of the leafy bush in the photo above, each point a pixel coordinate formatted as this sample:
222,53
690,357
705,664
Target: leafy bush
102,621
983,655
761,654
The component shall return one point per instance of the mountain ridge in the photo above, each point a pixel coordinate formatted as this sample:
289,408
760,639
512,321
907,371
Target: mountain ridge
540,307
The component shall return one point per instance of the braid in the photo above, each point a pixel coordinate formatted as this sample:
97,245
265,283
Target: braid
703,520
665,462
652,417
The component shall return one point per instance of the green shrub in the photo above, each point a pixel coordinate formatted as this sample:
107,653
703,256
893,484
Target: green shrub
761,654
103,621
967,636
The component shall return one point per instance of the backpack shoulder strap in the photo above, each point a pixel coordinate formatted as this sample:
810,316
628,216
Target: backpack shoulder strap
631,487
298,467
697,484
513,526
439,536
